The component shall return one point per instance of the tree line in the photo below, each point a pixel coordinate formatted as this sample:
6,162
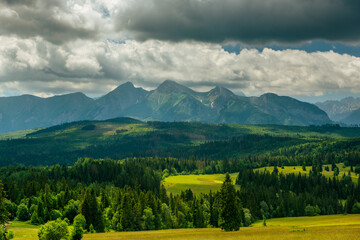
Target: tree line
127,195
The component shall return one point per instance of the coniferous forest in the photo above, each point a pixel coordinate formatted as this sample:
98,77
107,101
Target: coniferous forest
104,194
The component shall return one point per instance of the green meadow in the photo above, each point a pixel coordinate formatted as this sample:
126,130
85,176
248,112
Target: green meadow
298,170
339,227
197,183
206,182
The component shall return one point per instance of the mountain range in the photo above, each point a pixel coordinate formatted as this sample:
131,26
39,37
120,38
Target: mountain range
346,110
170,101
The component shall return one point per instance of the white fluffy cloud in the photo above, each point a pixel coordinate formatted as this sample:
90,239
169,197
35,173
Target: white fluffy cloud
94,67
59,46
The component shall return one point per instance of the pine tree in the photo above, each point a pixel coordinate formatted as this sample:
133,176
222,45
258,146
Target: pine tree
127,212
230,217
89,207
4,215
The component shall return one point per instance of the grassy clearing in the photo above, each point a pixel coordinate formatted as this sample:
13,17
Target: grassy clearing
205,183
17,134
197,183
317,221
297,131
298,169
24,230
333,227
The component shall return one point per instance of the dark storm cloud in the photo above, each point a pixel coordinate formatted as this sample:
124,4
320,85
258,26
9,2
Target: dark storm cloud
248,21
47,19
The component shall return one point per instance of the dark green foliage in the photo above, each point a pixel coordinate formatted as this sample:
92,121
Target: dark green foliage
22,213
79,226
90,209
53,230
89,127
56,145
35,219
312,211
356,208
148,218
11,208
4,214
230,217
71,210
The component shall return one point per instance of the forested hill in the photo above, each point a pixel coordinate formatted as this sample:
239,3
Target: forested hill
169,102
125,137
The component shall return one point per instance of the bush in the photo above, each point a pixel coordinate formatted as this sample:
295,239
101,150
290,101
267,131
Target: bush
79,225
10,235
11,208
71,209
312,211
4,235
248,217
53,230
22,213
55,214
356,208
80,219
91,229
149,217
35,219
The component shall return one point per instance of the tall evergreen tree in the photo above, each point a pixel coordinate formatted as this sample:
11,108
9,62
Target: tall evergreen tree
89,207
4,215
230,217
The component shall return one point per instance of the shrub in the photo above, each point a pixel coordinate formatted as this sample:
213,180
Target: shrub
55,214
312,211
71,209
22,213
53,230
356,208
79,225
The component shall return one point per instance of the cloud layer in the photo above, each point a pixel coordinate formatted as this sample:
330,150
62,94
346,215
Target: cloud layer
95,67
247,21
57,46
56,21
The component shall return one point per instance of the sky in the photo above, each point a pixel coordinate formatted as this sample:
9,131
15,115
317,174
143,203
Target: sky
308,49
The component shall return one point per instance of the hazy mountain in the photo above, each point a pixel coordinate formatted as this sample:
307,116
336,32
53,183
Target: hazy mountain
169,102
290,111
114,103
28,111
342,110
352,118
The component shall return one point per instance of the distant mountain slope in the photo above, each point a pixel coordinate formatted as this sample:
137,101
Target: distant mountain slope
169,102
23,112
290,111
114,103
341,110
353,118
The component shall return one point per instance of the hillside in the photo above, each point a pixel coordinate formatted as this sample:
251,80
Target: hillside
353,118
125,137
343,110
169,102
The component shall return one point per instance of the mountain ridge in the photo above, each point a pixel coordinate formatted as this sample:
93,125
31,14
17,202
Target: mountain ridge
345,110
170,101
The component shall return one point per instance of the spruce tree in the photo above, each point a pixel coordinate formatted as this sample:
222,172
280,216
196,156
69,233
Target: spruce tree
91,210
4,215
230,217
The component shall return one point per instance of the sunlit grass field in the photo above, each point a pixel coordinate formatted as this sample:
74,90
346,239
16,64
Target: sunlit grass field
205,183
17,134
298,169
197,183
333,227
